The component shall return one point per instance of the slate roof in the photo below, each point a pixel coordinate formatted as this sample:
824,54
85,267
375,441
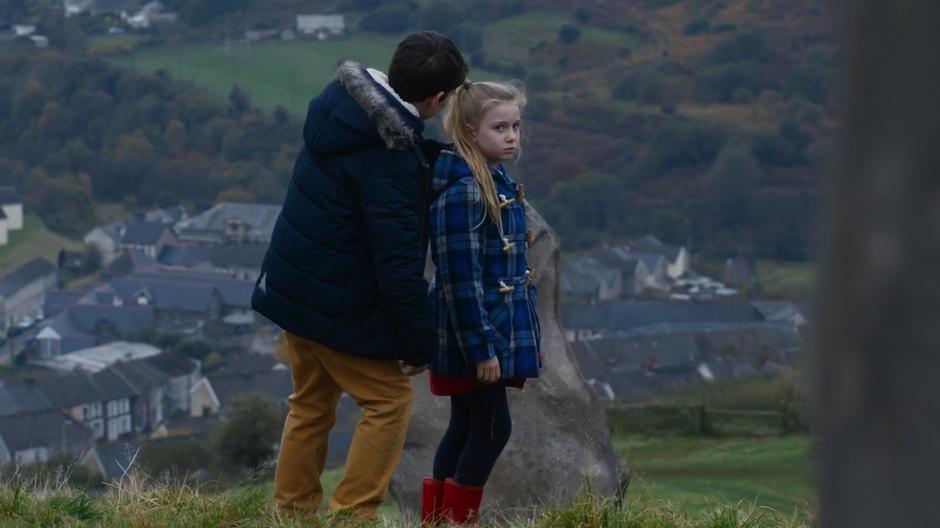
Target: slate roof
625,316
144,233
184,290
18,396
186,256
237,255
41,429
76,389
630,258
169,215
168,293
235,294
128,262
140,375
59,300
128,320
276,384
259,218
245,363
173,365
8,196
583,275
25,274
650,244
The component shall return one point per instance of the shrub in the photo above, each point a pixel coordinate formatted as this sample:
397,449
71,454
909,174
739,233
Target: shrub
247,437
391,19
440,16
699,25
569,34
720,82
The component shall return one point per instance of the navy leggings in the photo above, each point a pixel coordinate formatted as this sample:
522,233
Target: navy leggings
479,429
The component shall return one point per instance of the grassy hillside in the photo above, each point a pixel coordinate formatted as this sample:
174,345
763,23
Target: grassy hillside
274,74
156,505
33,241
693,473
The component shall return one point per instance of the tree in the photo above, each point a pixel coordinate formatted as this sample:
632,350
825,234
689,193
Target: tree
569,34
247,437
440,16
392,19
238,100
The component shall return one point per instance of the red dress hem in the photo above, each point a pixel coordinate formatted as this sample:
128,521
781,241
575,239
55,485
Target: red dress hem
441,385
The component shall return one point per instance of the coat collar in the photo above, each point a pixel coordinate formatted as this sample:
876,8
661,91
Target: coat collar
397,124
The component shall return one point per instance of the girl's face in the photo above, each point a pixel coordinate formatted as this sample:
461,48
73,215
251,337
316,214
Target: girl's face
497,134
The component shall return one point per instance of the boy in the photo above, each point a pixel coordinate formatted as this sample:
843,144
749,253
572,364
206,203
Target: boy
344,272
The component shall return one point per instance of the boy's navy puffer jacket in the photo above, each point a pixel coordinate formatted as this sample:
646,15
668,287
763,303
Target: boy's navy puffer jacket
346,260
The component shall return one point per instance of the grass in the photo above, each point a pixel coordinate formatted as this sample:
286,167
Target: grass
511,38
152,504
786,280
276,73
33,241
272,73
695,473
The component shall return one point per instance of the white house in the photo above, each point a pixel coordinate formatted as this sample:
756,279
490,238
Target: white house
150,13
12,207
23,292
4,229
321,27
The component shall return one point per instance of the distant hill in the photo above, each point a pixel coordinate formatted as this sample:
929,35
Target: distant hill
707,122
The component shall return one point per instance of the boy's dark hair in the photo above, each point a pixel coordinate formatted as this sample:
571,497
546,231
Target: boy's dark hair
426,63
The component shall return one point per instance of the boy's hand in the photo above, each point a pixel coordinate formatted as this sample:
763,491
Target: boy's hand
488,371
410,370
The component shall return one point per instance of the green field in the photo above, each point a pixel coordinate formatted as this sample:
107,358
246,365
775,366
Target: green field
33,241
693,473
512,38
786,280
272,73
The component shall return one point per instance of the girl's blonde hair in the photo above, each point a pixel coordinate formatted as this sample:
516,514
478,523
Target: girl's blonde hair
466,108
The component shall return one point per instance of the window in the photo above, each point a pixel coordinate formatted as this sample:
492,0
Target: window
98,427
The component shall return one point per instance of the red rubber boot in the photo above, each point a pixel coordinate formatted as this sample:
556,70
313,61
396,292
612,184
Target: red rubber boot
462,503
432,502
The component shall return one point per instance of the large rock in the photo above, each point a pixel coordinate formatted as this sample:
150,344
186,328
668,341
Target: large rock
560,440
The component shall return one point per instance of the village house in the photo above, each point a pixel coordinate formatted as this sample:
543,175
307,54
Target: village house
83,326
182,300
592,321
215,393
98,7
42,436
321,27
147,237
102,401
98,358
23,293
182,374
151,13
585,280
11,214
677,258
240,261
229,222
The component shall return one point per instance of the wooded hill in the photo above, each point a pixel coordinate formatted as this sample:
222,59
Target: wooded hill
702,121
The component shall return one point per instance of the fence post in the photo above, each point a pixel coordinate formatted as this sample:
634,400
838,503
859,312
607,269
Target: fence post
703,425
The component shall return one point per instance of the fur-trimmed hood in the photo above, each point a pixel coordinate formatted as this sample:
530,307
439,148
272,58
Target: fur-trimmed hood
356,110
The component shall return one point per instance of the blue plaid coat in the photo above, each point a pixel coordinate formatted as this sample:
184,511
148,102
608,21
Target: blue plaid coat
482,294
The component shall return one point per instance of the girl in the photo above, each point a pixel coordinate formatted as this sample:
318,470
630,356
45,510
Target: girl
488,330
